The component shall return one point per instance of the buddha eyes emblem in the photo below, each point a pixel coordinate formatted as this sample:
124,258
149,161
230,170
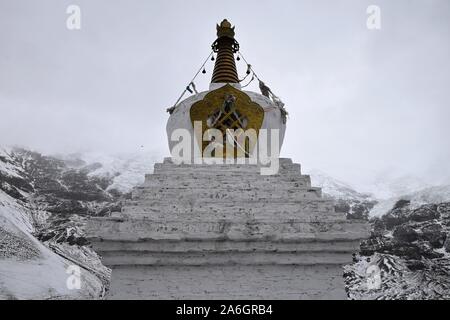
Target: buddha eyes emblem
227,116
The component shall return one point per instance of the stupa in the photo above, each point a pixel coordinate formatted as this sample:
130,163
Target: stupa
222,229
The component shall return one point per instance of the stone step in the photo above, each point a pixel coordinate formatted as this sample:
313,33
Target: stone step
208,169
223,182
226,246
225,177
144,229
183,193
232,216
234,258
224,206
283,161
285,166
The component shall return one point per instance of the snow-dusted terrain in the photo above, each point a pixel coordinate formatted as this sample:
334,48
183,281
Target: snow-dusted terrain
435,194
125,170
29,269
335,188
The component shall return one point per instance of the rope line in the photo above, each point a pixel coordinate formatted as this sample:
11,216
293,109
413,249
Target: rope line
249,65
271,96
195,76
253,78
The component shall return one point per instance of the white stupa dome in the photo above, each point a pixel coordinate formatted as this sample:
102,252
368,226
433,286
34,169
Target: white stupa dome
225,105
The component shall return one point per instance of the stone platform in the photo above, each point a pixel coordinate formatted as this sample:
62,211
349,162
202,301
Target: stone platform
226,232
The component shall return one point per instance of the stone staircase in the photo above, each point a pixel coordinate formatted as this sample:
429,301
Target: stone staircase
225,231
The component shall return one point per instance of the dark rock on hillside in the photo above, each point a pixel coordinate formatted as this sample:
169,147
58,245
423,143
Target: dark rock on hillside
415,265
434,234
405,233
375,244
425,213
401,213
444,211
410,242
354,209
401,204
66,207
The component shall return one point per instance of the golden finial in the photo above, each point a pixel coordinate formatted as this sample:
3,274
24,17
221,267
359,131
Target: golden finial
225,29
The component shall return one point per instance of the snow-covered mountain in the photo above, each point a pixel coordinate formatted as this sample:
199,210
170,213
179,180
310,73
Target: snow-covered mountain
409,246
335,188
31,191
385,186
125,170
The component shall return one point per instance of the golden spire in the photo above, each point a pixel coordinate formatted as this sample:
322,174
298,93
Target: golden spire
225,46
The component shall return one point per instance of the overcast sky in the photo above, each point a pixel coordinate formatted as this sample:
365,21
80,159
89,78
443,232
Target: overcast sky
361,102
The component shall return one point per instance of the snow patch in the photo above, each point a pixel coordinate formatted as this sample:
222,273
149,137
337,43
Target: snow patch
425,196
128,170
335,188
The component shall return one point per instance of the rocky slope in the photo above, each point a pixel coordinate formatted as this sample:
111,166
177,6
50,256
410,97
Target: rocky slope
44,203
407,255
